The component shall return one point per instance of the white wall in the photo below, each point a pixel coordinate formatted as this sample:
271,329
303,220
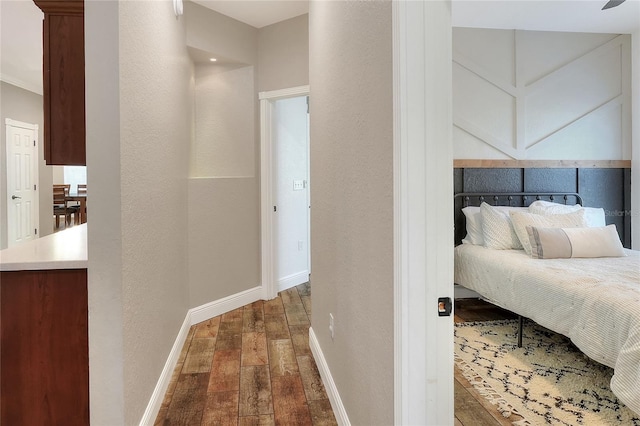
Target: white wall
283,54
290,162
223,195
635,162
224,143
224,229
541,95
139,106
351,109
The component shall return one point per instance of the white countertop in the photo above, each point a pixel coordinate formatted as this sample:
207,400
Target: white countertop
62,250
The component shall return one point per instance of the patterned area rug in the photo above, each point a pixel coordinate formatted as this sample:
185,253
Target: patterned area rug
547,381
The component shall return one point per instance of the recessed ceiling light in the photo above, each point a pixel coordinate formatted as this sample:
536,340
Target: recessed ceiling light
212,59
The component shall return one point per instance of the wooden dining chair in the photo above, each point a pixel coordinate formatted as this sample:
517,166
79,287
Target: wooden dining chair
60,206
82,189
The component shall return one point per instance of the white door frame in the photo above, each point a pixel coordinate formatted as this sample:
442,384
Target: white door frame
267,100
423,212
35,212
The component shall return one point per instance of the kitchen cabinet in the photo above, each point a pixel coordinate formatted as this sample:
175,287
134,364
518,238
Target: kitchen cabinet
44,357
44,335
63,81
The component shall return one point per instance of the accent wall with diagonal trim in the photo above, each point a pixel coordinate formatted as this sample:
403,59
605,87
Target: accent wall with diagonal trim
531,95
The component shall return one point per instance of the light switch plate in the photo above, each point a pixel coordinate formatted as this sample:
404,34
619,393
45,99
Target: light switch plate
298,185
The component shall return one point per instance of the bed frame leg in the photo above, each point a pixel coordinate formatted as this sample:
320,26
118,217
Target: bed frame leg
520,321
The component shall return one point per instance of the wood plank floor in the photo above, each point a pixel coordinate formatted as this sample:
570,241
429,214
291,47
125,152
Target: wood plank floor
250,366
253,366
471,408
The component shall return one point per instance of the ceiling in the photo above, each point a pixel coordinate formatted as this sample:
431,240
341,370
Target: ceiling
258,13
21,23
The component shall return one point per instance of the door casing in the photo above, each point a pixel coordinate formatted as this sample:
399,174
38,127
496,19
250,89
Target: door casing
267,100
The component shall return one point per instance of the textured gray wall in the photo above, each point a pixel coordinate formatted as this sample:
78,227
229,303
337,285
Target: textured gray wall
352,253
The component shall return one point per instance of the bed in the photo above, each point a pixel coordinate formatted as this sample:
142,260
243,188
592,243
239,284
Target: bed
593,301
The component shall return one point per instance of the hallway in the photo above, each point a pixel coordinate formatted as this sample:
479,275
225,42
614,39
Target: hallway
250,366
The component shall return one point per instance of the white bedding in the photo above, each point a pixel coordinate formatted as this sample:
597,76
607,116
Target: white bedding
594,302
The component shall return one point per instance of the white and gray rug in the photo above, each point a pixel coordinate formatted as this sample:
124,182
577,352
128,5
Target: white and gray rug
547,381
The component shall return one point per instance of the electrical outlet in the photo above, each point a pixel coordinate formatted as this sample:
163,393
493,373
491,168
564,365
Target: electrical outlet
300,245
331,329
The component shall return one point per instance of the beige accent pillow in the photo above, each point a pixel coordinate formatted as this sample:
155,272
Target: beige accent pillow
521,220
564,243
497,231
593,216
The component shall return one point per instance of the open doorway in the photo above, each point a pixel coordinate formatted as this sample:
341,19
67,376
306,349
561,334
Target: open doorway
285,189
290,190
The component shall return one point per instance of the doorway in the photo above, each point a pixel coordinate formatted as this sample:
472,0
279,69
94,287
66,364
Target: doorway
285,189
290,189
22,182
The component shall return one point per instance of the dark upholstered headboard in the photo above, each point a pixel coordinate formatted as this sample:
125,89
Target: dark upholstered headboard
609,188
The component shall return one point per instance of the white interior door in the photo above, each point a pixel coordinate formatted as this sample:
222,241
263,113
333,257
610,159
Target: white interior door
291,191
22,182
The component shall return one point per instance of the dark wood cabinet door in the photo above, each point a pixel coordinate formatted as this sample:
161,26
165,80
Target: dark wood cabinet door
63,82
44,351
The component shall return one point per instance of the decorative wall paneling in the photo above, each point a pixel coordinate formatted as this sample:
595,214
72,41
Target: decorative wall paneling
609,188
541,95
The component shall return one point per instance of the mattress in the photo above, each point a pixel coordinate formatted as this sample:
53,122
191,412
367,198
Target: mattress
594,302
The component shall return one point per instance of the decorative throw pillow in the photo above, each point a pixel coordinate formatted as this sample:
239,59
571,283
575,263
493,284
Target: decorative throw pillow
594,217
563,243
473,220
497,231
521,220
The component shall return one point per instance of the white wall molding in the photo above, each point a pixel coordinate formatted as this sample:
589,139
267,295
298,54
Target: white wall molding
293,280
615,102
423,157
226,304
577,64
153,408
284,93
327,379
601,74
22,125
194,316
267,99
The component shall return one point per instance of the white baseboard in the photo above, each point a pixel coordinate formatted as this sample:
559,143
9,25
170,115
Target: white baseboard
194,316
293,280
229,303
153,408
460,292
327,379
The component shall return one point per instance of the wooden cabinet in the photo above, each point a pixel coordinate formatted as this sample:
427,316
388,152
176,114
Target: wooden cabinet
44,349
63,81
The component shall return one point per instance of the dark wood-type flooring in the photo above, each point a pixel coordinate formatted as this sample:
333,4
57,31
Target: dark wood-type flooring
253,366
250,366
471,408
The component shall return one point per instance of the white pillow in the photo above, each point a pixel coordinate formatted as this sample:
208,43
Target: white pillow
497,231
473,221
563,243
593,216
521,220
474,226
